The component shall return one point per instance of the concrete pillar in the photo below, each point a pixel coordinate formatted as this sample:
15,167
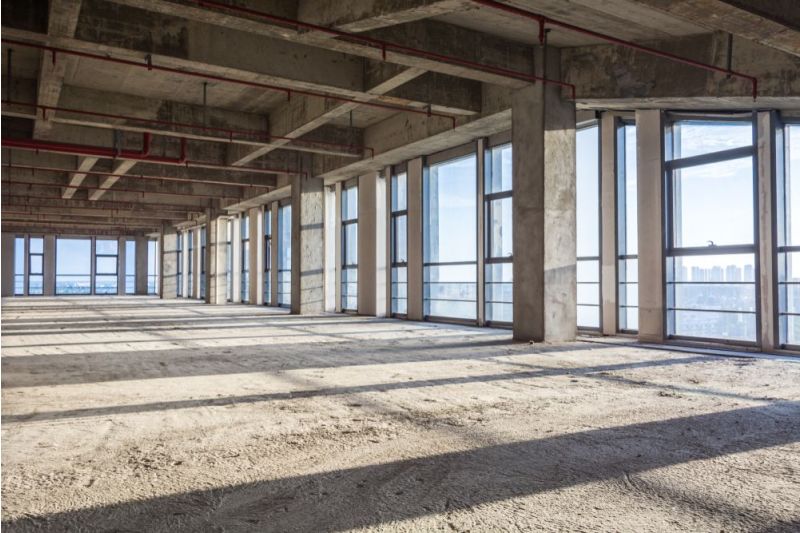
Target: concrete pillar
217,248
273,269
236,250
211,261
608,221
543,136
169,263
382,272
330,248
7,263
308,249
49,266
414,177
257,256
196,263
141,265
185,264
650,202
121,253
366,244
766,157
337,247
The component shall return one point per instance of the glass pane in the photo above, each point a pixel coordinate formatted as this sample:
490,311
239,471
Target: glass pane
588,270
103,246
35,284
450,291
36,265
499,292
500,228
73,257
350,203
627,194
71,284
350,289
629,318
19,255
697,137
106,265
152,266
498,169
792,185
37,245
105,285
714,204
399,235
130,258
792,328
588,294
715,325
130,284
244,226
588,316
716,268
285,237
449,205
715,296
399,192
350,244
587,192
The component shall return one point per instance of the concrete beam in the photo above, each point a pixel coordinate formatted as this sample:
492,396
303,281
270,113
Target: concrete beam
365,15
85,164
121,168
62,22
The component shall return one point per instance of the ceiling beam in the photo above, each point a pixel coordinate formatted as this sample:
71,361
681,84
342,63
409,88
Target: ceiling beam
85,164
365,15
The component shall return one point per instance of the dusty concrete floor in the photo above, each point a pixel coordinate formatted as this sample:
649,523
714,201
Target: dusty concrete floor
137,414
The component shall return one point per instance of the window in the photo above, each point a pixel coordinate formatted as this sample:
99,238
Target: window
587,192
788,202
190,266
36,265
350,246
105,266
449,259
285,255
627,230
19,266
152,266
711,263
499,256
73,266
203,263
267,256
399,243
244,230
179,258
130,267
229,262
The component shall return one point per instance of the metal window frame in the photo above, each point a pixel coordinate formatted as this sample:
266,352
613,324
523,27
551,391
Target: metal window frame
244,253
29,264
488,198
179,266
345,223
394,215
156,275
24,283
282,205
594,123
266,213
780,222
621,218
91,265
671,251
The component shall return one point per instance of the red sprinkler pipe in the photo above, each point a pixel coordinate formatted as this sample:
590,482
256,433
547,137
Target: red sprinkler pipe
228,132
543,21
33,168
150,66
109,153
385,46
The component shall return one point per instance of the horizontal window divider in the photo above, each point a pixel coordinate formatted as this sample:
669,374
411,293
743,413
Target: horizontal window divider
400,265
623,306
498,260
588,258
450,300
788,249
628,256
453,263
401,213
713,157
711,282
498,195
727,249
787,313
729,311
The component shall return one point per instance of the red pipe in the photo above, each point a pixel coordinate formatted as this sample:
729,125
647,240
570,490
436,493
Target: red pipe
115,189
383,46
110,153
166,207
136,176
150,66
543,21
229,132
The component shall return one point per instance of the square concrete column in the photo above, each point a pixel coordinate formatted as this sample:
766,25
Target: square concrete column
211,261
7,263
217,249
273,269
382,272
185,265
543,137
331,229
766,123
366,244
49,266
121,271
608,221
414,225
308,243
169,262
256,256
141,265
196,263
650,205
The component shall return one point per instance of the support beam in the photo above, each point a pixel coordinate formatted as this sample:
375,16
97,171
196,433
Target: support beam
308,255
543,135
414,289
608,223
141,265
366,244
85,164
766,123
120,169
365,15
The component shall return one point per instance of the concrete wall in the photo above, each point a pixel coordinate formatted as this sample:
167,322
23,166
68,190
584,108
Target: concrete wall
7,255
308,249
414,176
169,264
366,244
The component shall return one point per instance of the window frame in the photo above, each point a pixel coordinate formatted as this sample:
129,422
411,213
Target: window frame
267,255
594,123
488,198
95,272
244,257
345,223
394,215
179,267
29,266
284,204
620,217
781,140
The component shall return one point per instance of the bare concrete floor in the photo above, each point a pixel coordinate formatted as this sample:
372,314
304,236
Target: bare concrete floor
137,414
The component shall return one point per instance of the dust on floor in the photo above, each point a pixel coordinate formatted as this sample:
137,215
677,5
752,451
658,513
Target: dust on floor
139,414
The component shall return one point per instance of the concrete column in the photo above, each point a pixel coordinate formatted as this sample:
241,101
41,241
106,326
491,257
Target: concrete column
217,277
330,248
7,263
366,244
273,269
608,221
49,266
414,177
308,245
650,202
257,256
169,263
382,282
196,263
121,252
185,265
543,136
236,250
337,245
141,265
766,122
